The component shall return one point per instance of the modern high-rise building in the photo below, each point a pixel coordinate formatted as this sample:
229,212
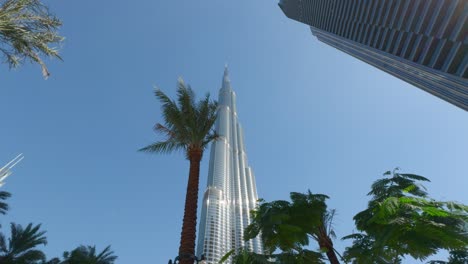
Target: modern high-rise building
423,42
5,171
231,190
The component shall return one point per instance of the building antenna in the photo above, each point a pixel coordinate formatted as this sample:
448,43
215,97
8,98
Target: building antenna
5,171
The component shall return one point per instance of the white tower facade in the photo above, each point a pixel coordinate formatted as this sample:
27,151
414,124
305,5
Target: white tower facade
231,191
5,171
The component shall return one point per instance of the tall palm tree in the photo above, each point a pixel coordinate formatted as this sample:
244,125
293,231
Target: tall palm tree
27,29
21,247
289,226
187,127
88,255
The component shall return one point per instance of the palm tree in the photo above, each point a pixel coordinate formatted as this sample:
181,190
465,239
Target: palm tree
272,220
289,226
311,214
20,248
402,220
88,255
187,127
27,29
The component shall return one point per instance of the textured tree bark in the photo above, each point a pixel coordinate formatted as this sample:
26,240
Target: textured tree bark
331,255
326,242
189,224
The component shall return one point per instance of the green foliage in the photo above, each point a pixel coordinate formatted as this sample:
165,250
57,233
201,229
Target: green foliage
244,257
52,261
27,29
456,257
187,124
402,220
288,226
227,256
273,220
301,257
363,251
21,247
88,255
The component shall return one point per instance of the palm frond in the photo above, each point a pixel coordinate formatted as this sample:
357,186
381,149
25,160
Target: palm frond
26,239
4,206
414,177
106,256
3,244
187,124
22,244
163,147
31,256
159,128
227,256
173,117
212,136
28,30
328,222
88,254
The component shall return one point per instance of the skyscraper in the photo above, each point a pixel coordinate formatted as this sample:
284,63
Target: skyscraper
231,191
5,171
423,42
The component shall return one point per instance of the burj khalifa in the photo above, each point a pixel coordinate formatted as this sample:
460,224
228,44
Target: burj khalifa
231,190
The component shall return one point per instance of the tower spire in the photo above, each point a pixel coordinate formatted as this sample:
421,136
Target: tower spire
226,81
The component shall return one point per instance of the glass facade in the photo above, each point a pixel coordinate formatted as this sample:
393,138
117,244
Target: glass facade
423,42
231,191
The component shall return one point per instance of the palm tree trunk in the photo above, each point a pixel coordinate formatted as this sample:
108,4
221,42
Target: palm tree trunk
331,255
189,224
326,243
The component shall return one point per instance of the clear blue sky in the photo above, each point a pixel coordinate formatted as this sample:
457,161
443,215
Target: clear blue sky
314,118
